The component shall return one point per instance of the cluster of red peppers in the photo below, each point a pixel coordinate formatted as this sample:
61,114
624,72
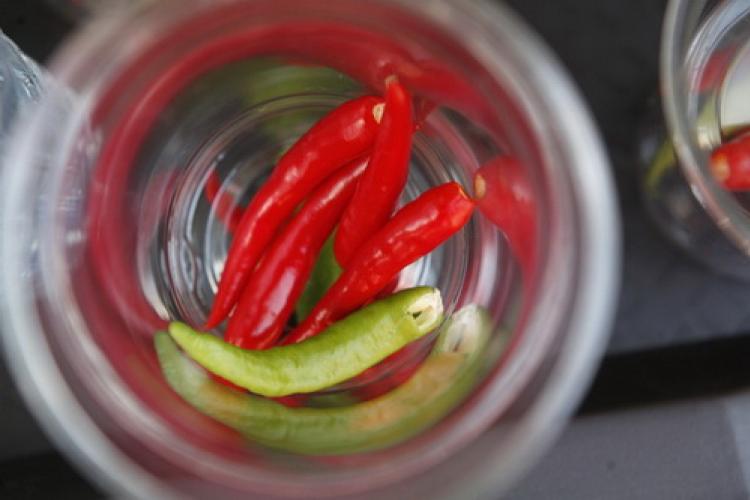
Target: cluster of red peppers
344,176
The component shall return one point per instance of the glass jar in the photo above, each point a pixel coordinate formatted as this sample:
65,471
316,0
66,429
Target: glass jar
703,76
109,231
20,84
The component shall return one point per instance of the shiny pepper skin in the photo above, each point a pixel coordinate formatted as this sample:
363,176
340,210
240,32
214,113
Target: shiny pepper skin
730,163
343,135
415,230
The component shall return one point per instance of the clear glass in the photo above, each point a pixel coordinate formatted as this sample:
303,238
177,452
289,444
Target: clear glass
20,84
704,74
104,194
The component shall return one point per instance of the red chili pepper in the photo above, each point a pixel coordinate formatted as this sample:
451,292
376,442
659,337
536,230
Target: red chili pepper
384,179
293,401
223,204
730,163
504,196
391,372
128,108
415,230
341,136
226,382
273,289
387,384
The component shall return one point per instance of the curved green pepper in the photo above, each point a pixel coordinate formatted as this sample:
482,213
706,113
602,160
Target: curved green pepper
278,79
340,352
425,398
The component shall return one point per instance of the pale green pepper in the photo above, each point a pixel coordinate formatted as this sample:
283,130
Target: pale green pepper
343,350
381,422
442,381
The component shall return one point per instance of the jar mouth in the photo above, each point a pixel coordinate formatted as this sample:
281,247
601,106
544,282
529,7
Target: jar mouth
681,18
580,272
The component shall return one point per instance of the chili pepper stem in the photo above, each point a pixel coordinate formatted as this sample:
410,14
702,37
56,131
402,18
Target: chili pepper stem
377,112
720,168
480,186
427,309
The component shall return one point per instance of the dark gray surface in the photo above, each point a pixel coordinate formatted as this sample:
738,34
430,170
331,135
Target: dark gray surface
682,451
20,436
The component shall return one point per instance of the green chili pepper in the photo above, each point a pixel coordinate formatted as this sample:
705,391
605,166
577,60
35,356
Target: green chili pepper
281,80
466,331
440,383
340,352
324,274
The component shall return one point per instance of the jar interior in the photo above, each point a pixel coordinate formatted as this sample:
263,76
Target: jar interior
179,131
